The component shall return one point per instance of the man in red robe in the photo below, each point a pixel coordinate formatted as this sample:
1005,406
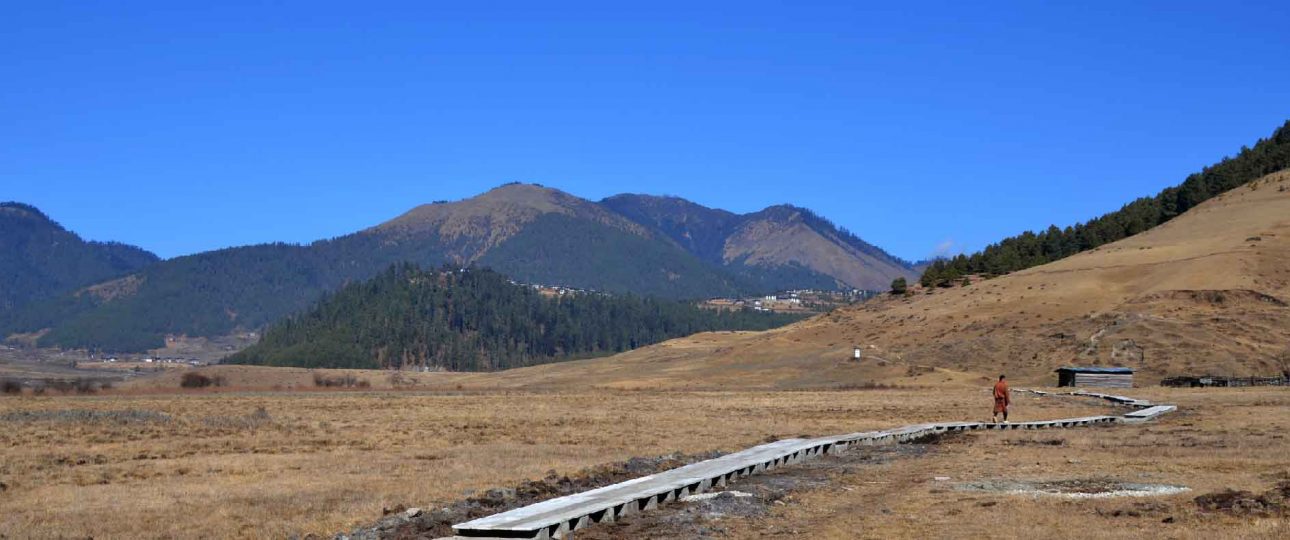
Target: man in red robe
1001,400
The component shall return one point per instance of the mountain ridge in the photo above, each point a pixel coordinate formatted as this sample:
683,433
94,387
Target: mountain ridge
39,258
1207,293
781,236
529,232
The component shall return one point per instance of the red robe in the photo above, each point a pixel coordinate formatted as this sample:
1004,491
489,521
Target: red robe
1001,397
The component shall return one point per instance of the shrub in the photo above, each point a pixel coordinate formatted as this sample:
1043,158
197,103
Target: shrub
10,387
339,381
86,386
867,385
195,380
62,387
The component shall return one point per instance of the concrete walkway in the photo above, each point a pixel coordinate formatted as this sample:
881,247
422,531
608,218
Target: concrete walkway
556,518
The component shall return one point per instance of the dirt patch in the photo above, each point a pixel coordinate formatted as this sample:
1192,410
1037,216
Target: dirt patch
1035,442
1275,501
755,498
401,522
1140,509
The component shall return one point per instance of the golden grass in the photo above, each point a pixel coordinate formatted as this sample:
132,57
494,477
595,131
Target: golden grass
1222,438
316,462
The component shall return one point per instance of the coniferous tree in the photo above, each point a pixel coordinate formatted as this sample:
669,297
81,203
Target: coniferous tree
1030,249
476,320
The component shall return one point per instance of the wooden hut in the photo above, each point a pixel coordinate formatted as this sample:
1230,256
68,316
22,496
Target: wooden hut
1111,377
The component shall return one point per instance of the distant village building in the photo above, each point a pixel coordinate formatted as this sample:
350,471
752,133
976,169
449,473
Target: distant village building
1111,377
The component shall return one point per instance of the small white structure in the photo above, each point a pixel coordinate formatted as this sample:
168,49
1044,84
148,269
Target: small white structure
855,355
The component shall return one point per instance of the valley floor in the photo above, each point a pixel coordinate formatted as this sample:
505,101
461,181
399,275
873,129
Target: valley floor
274,464
963,485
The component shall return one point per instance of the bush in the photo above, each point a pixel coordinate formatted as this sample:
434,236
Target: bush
62,387
10,387
195,380
86,386
339,381
899,286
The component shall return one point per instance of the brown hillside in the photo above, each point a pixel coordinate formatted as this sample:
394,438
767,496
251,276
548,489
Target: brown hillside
480,223
784,240
1204,293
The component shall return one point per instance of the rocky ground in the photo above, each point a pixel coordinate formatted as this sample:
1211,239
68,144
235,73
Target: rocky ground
402,523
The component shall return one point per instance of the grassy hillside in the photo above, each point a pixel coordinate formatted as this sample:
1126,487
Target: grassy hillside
1031,249
472,320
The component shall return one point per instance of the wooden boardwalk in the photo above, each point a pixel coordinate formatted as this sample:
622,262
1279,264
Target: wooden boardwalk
556,518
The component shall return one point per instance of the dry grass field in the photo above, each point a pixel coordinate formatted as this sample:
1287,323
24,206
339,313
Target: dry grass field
268,465
270,454
1219,440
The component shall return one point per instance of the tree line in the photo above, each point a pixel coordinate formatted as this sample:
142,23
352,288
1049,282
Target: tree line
1032,249
477,320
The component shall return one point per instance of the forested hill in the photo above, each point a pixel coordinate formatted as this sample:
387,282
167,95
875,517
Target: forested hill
1032,249
530,233
476,320
40,259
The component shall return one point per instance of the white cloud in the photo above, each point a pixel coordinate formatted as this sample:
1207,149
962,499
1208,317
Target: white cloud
947,248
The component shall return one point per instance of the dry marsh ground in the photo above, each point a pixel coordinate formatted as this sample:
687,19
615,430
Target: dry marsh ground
273,464
1220,439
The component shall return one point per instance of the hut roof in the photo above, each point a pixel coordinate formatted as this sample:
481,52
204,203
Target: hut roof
1095,369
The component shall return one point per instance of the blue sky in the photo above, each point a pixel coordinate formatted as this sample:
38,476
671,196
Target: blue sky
940,126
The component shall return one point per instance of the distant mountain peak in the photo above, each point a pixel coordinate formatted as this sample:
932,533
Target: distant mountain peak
791,242
472,227
508,202
520,193
24,210
41,259
785,212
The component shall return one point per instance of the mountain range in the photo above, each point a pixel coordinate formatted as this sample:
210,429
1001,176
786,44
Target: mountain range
659,246
1193,281
1207,293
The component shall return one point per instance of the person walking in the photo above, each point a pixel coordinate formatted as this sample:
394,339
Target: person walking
1002,399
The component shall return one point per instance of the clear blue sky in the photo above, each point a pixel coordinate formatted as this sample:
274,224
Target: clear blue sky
182,129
